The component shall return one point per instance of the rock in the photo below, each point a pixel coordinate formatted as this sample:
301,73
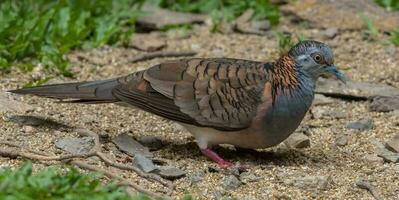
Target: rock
261,25
147,42
322,113
354,90
130,146
144,163
152,142
170,172
231,182
341,140
393,144
371,158
159,18
309,182
384,153
244,24
75,145
196,177
391,51
396,168
328,13
28,129
385,103
329,33
320,100
361,125
9,105
247,177
297,140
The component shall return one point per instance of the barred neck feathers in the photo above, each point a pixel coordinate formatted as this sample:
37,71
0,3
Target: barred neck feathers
284,74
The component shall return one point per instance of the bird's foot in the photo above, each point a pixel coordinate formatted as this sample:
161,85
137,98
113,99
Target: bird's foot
215,157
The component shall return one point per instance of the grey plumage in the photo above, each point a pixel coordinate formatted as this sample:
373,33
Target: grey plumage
245,103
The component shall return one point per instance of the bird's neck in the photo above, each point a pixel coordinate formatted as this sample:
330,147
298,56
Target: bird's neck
286,77
284,73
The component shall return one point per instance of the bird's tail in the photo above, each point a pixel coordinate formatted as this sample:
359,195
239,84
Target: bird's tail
81,92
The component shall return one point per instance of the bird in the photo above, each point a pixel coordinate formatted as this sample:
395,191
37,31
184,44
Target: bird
244,103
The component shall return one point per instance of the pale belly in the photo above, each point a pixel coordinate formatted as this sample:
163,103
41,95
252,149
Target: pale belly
246,138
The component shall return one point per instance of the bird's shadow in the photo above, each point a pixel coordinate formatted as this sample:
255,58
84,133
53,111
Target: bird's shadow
36,121
287,157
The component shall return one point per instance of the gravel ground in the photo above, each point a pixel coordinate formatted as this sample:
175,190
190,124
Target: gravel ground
321,171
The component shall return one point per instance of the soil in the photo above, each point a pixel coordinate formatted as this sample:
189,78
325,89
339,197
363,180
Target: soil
360,59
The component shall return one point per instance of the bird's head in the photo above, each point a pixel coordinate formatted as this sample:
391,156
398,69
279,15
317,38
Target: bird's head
316,59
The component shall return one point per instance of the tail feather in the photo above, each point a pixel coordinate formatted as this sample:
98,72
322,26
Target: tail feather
81,92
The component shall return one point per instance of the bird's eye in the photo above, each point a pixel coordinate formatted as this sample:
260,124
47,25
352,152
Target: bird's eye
317,58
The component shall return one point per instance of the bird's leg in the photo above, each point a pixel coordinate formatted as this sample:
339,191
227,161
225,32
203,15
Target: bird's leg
215,157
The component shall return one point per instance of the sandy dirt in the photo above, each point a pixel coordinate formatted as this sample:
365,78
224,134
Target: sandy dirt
361,60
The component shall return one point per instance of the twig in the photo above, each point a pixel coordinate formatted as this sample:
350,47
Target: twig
95,151
111,175
364,184
159,54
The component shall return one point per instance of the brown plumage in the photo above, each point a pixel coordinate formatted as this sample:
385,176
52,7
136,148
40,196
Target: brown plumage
245,103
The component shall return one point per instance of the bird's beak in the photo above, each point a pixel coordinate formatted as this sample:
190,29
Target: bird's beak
333,70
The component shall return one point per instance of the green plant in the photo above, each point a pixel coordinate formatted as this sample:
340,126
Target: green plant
226,10
33,31
389,4
394,37
372,30
52,184
287,41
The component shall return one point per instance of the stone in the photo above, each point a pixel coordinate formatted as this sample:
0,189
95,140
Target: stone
328,13
320,100
329,33
7,104
130,146
159,18
231,182
361,125
322,113
152,142
247,177
147,42
393,144
196,177
309,182
28,129
384,103
169,172
245,24
397,168
354,90
391,50
371,158
75,145
384,153
297,140
261,25
144,163
341,140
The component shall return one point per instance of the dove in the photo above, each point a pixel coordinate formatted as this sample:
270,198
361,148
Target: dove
248,104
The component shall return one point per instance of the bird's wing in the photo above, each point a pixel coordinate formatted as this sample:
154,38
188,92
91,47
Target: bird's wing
217,93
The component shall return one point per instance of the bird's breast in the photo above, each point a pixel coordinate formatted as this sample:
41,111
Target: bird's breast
282,116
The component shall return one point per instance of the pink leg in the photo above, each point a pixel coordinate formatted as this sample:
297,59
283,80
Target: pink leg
215,157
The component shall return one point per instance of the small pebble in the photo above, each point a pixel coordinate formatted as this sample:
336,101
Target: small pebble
393,144
341,140
371,158
231,182
144,163
298,140
361,125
